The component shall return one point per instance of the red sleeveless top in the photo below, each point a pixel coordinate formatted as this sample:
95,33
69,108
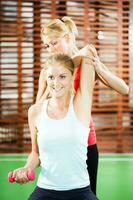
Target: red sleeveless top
92,135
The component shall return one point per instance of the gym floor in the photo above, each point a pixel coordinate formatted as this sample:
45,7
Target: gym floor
115,177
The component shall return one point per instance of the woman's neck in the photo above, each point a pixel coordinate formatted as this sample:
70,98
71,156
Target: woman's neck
61,102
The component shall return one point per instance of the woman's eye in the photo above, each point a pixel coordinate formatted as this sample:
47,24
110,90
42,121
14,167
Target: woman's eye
50,77
62,77
53,43
46,46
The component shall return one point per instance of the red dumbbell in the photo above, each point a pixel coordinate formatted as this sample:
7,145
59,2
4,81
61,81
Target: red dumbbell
31,176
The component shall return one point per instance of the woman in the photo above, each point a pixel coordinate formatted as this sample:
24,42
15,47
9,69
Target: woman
59,132
59,36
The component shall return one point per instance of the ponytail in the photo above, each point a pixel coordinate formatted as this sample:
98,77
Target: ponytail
73,31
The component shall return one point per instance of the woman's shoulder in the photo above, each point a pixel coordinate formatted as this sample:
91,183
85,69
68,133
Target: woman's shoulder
35,109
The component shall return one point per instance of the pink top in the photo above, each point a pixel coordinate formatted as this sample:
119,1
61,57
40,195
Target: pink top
92,135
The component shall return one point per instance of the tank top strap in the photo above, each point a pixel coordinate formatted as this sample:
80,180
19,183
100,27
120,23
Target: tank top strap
71,100
42,113
71,106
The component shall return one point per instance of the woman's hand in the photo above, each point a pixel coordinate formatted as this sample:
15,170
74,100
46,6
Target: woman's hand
103,73
88,51
95,60
92,52
99,66
20,175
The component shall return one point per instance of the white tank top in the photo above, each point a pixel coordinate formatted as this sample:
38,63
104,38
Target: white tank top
63,151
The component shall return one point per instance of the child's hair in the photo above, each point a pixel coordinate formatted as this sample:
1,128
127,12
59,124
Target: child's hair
60,27
61,59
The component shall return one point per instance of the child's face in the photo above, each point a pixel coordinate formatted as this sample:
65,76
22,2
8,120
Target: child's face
59,80
55,44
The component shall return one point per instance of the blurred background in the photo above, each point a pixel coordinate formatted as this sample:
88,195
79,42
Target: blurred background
108,25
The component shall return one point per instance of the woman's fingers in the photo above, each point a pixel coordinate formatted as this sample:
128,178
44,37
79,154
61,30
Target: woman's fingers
20,176
91,51
95,62
94,51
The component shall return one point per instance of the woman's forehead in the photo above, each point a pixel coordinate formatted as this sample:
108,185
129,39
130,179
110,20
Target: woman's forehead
57,68
49,39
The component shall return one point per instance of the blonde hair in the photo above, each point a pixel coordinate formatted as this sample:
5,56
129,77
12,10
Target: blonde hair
61,59
60,27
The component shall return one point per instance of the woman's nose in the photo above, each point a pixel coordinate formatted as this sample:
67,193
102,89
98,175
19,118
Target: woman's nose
56,83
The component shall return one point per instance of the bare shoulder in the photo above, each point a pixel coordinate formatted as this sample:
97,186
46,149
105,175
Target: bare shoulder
35,109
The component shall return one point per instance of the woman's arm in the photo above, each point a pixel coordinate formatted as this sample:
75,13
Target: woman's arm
33,159
20,175
102,72
109,79
83,97
42,86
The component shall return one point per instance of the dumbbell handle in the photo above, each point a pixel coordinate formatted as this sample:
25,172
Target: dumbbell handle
30,175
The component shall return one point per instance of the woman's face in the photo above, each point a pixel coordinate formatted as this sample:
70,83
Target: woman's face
55,44
59,80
